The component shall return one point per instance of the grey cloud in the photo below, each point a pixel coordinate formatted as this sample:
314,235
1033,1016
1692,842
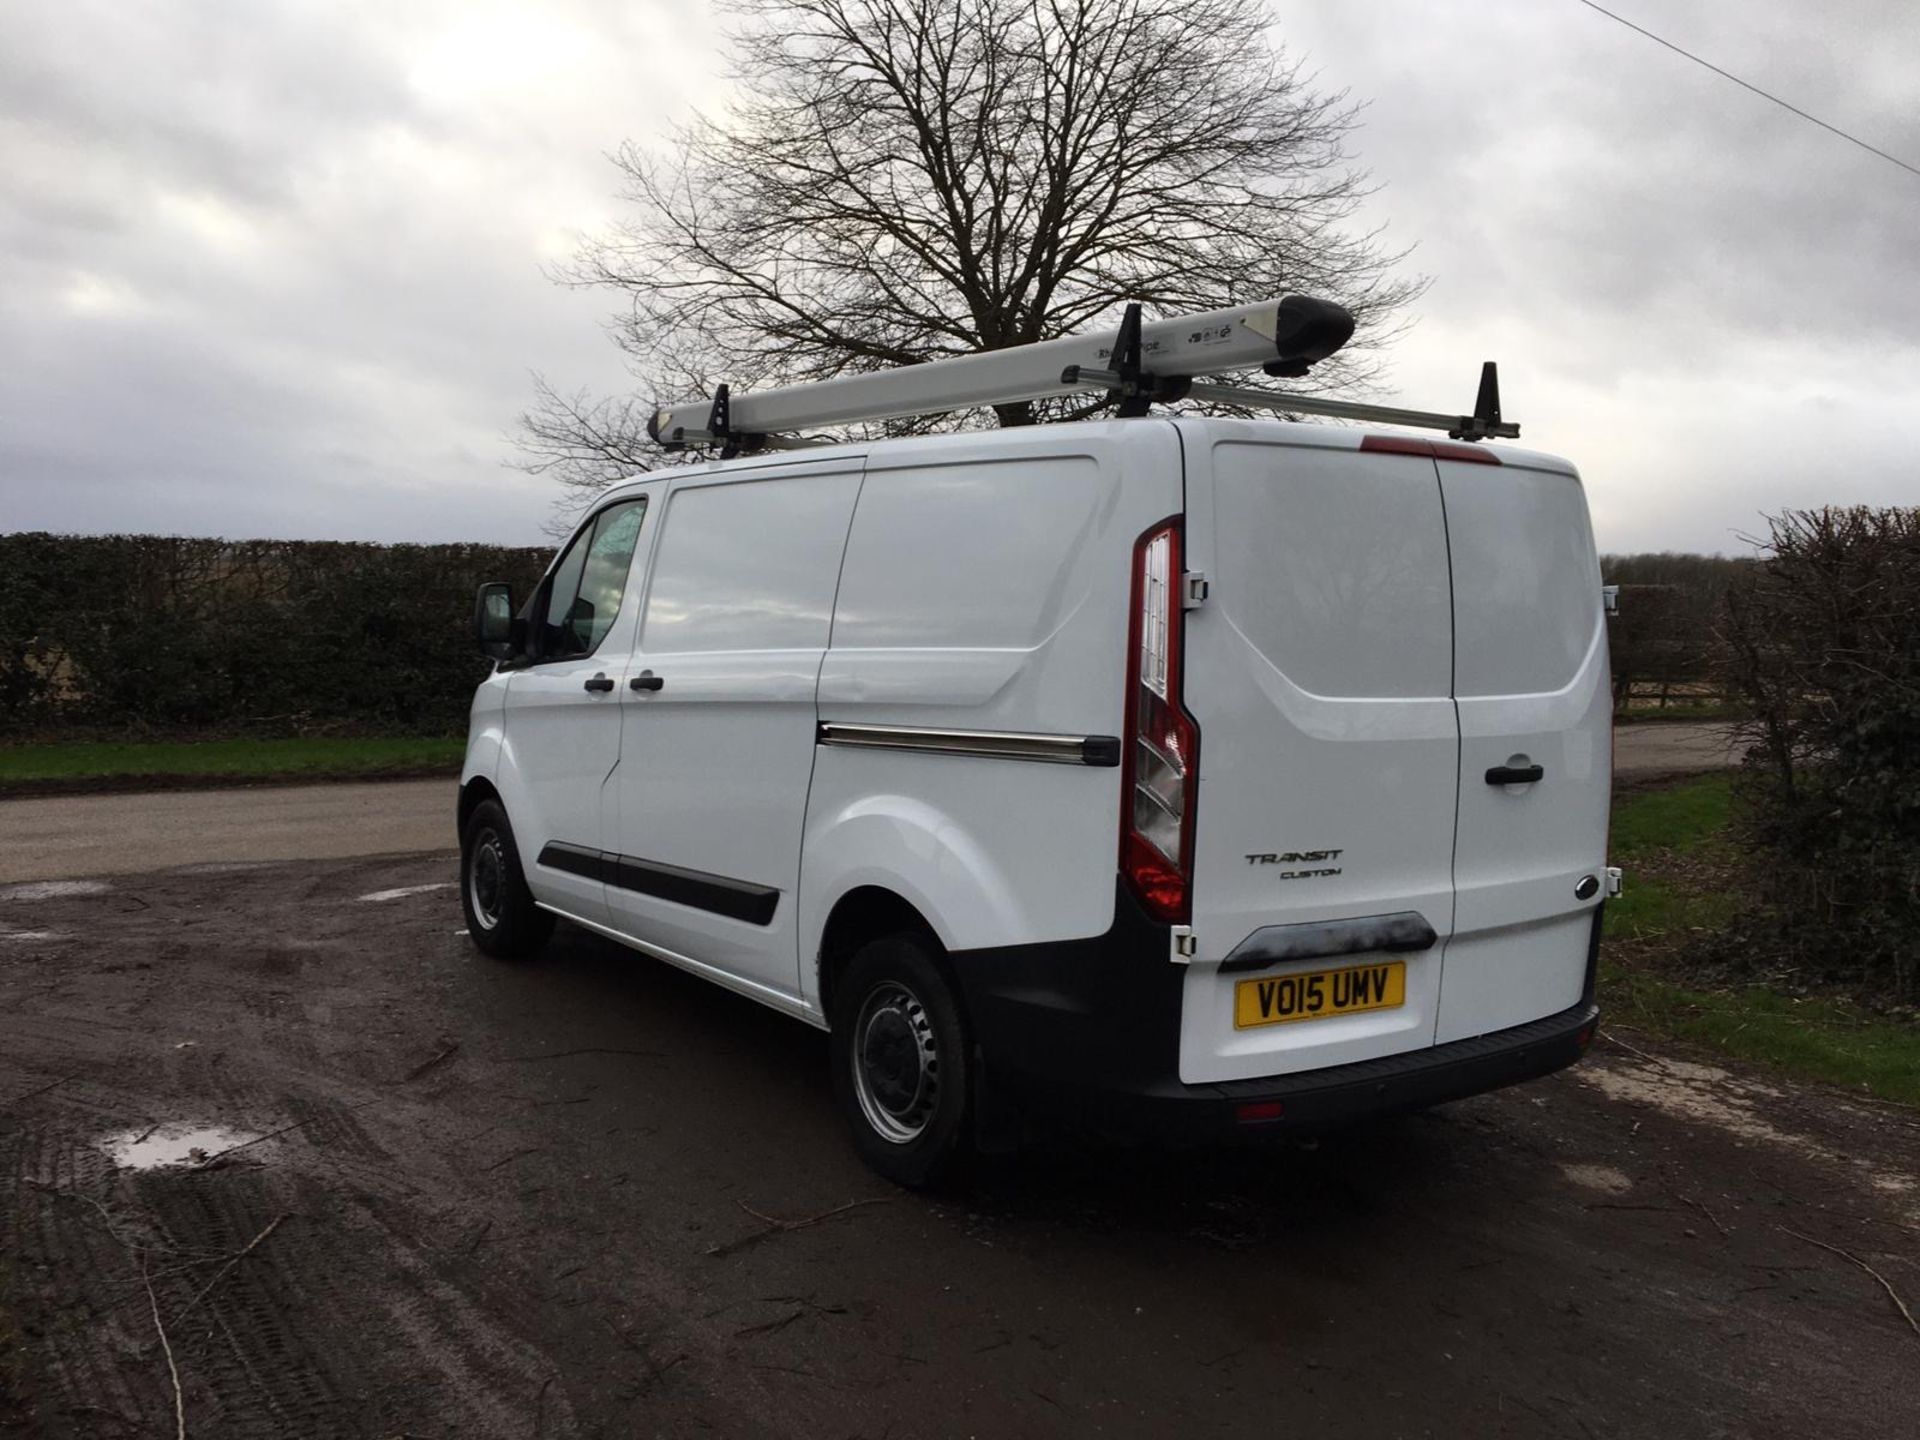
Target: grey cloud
1709,303
229,96
252,283
257,278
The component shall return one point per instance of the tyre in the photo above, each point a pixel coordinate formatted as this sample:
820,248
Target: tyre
901,1066
502,919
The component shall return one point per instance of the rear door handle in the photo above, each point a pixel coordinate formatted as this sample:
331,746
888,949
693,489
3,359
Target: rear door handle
647,680
1514,774
599,684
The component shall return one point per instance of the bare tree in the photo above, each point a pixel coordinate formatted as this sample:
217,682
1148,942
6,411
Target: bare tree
902,180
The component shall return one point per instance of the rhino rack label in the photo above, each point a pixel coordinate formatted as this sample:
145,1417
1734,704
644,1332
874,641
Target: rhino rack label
1316,858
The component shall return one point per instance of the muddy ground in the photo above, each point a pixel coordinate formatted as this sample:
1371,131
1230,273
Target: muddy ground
527,1201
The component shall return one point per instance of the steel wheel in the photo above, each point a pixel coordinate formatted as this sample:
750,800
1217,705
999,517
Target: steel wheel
486,880
503,919
896,1063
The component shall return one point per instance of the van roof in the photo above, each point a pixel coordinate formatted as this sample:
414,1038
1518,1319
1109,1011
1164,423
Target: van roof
1267,432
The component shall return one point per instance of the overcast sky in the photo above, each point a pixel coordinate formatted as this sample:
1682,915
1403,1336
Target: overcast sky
274,268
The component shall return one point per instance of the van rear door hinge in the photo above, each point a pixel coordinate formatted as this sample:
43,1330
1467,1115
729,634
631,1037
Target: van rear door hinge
1193,590
1185,946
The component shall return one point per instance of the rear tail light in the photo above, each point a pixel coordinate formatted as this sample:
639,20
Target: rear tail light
1162,750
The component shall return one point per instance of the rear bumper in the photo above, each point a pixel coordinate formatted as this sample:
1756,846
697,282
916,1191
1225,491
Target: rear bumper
1087,1034
1314,1101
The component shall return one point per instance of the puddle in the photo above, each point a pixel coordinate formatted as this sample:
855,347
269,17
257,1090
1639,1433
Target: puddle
156,1149
53,889
405,890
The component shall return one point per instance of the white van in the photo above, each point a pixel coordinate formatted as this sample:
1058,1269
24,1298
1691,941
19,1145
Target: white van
1191,777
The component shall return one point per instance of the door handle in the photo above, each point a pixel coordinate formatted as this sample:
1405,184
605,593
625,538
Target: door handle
1514,774
647,680
599,684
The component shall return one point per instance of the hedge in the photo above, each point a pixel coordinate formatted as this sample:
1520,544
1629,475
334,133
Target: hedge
1823,647
1666,633
171,636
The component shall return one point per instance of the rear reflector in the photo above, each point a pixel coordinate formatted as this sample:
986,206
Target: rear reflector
1259,1112
1585,1036
1431,449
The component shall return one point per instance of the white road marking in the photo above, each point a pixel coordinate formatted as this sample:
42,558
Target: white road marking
379,896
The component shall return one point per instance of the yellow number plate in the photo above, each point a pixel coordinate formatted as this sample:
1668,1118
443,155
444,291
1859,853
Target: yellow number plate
1319,993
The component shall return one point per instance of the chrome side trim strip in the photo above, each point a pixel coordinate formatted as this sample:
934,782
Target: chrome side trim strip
1097,750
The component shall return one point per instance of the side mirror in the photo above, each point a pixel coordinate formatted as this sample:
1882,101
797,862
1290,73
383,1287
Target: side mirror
493,625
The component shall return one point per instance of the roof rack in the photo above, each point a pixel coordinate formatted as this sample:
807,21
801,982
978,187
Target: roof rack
1144,364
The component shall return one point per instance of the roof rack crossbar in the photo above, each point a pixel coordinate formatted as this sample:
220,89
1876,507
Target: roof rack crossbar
1459,427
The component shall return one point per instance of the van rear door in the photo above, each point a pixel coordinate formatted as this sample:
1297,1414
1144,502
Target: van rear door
1319,671
1531,683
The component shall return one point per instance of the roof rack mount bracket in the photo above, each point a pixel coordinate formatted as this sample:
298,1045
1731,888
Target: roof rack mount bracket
1130,388
732,443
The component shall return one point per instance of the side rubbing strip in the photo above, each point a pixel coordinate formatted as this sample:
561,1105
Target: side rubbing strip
736,899
717,894
1097,750
1403,931
577,860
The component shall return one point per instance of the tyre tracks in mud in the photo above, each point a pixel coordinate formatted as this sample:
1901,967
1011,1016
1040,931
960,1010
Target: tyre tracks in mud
339,1323
380,1303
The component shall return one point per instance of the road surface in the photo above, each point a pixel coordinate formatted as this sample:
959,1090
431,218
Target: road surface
69,835
1641,752
592,1196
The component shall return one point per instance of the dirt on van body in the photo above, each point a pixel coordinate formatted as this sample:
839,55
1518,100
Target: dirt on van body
592,1196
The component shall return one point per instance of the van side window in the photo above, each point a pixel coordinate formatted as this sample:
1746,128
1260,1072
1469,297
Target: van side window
589,582
712,590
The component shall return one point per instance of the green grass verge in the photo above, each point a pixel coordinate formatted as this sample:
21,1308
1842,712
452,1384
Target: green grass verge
1657,836
1674,845
226,758
1653,908
1680,817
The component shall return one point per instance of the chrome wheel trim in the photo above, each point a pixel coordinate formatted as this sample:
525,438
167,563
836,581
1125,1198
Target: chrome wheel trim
896,1063
487,880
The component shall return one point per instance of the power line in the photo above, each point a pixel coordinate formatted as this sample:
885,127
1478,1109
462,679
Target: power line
1746,85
